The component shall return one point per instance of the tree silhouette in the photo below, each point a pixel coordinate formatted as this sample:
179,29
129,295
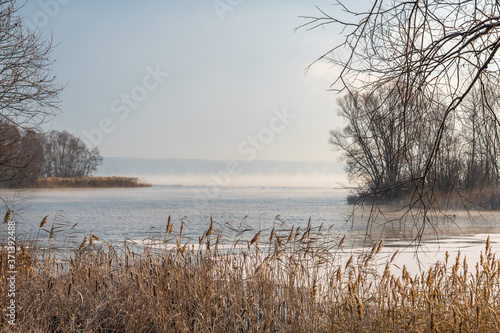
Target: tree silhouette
433,55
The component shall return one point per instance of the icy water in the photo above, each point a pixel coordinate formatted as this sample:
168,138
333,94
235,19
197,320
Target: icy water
140,213
137,213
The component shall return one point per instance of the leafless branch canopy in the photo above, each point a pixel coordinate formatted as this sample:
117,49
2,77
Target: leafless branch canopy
439,60
443,45
28,89
29,96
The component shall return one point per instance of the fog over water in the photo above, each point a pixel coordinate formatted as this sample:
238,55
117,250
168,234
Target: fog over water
228,173
258,198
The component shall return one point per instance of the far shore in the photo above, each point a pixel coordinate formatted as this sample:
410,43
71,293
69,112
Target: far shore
90,182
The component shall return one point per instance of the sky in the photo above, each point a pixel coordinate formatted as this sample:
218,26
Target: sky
198,79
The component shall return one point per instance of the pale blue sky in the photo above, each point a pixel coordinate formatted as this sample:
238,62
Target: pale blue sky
230,77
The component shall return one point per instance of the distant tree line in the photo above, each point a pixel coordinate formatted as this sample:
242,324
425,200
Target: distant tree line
386,149
26,155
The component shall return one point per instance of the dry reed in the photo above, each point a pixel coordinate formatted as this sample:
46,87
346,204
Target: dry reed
292,280
58,182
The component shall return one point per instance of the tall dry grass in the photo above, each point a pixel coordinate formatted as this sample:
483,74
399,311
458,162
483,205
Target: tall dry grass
288,280
114,181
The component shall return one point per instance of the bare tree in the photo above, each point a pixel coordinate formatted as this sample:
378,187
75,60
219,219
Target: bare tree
21,156
68,156
29,94
32,158
372,142
435,53
481,141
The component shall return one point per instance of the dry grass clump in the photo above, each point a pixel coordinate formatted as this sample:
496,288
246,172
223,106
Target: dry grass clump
286,280
115,181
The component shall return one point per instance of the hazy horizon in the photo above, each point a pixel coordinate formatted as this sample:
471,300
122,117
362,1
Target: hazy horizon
226,173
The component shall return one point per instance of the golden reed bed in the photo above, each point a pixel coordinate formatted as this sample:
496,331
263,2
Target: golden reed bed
291,280
58,182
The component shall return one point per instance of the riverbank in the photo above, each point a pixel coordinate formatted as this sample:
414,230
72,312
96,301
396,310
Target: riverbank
90,182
